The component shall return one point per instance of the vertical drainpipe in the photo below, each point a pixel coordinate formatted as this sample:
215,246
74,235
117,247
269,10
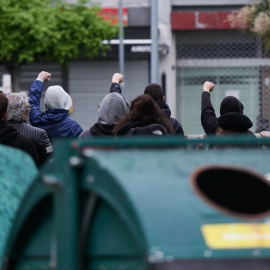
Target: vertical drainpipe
154,45
121,51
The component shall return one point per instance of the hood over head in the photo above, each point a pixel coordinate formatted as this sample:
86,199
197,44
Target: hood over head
57,98
231,104
112,108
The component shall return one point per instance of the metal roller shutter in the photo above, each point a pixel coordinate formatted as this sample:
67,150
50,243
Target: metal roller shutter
90,81
30,72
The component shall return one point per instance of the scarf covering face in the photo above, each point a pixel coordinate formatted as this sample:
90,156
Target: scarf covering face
57,98
235,122
112,108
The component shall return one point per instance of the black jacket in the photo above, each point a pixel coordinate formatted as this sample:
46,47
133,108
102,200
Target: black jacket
32,133
166,110
100,129
38,136
11,137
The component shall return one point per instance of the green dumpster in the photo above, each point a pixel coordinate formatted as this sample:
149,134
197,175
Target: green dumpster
17,172
145,204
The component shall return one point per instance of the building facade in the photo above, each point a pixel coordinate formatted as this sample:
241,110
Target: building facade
206,47
196,43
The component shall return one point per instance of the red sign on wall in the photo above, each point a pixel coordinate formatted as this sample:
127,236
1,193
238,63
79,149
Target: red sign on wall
201,20
111,14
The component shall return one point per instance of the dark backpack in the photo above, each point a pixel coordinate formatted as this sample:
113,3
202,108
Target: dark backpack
153,129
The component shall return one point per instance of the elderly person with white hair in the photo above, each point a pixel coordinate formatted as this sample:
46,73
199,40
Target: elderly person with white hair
55,120
18,117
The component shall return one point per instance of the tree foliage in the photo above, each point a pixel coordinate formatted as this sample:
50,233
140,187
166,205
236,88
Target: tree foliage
31,30
255,17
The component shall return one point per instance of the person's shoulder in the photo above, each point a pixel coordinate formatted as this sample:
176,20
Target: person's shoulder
74,127
37,129
69,120
173,120
177,126
85,134
77,125
31,130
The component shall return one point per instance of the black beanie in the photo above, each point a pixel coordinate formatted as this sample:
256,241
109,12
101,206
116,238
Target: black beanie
231,104
235,122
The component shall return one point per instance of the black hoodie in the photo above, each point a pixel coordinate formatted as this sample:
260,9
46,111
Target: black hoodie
231,105
100,129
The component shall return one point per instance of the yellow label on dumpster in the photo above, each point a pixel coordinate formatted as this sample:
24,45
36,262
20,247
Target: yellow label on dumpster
236,235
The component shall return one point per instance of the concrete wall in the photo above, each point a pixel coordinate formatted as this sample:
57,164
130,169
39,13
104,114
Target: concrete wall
167,62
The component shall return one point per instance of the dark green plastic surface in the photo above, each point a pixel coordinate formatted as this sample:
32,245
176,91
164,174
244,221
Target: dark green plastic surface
17,171
142,209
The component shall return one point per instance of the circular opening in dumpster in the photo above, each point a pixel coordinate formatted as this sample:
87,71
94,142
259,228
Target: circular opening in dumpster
235,191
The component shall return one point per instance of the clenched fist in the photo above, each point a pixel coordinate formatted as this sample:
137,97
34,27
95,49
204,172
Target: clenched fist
44,76
208,86
117,78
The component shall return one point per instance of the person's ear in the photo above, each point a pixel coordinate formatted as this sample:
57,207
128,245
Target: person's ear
163,98
26,112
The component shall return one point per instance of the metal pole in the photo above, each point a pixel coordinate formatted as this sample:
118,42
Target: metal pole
154,46
121,49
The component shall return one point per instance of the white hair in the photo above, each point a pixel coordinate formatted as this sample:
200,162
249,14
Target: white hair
18,104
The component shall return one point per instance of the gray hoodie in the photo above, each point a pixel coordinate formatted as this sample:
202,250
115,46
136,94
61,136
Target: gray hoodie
57,98
112,108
